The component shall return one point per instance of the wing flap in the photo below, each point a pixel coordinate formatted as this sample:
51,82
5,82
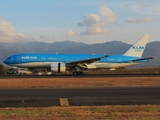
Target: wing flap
88,60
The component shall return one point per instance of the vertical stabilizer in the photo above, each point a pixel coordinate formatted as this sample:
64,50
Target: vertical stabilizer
138,48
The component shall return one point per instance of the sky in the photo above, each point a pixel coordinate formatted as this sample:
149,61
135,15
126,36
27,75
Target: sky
88,21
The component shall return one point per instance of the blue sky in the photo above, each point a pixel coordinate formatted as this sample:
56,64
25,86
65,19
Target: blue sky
88,21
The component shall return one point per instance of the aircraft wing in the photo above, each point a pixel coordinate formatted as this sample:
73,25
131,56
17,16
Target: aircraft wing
88,60
139,59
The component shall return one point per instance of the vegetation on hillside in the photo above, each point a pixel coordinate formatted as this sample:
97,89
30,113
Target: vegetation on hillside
3,70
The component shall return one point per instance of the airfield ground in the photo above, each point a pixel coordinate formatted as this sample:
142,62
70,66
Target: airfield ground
143,112
78,82
116,112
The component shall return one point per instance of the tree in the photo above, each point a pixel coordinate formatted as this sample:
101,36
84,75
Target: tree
3,70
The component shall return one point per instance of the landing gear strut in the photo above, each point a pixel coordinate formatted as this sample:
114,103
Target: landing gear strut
77,73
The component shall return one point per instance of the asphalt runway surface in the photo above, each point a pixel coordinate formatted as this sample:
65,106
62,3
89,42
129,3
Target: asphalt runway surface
81,76
79,96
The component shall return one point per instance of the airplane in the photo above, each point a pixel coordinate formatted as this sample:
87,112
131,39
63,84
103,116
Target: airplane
77,63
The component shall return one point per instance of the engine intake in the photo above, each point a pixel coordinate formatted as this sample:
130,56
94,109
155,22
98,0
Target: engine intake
58,67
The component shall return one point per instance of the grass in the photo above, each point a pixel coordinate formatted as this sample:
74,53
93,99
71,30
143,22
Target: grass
78,82
83,113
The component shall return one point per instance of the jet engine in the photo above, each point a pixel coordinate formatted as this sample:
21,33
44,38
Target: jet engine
58,67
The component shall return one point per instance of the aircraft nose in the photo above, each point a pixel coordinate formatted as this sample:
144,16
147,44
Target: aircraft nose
5,61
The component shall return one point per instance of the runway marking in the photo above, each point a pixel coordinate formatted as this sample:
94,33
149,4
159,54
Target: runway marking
64,102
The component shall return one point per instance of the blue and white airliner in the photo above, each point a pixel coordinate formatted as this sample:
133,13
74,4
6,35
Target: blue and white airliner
77,63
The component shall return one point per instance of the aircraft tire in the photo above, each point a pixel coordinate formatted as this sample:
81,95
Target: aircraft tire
77,73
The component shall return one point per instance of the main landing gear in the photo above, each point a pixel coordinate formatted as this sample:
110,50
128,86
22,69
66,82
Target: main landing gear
77,73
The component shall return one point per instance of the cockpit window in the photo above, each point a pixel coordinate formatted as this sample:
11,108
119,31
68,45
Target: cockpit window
9,58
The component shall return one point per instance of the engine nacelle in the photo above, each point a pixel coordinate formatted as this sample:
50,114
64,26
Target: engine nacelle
90,66
58,67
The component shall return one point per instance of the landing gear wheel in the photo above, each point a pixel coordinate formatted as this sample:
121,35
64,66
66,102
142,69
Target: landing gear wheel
81,73
77,73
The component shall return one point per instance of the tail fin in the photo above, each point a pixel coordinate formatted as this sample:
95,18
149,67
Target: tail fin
138,48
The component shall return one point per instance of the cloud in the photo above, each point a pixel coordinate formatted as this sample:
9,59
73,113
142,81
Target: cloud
139,20
94,25
94,30
81,24
71,33
107,13
8,34
91,20
143,7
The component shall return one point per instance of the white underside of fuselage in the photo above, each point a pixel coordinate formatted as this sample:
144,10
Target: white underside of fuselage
98,65
112,65
33,65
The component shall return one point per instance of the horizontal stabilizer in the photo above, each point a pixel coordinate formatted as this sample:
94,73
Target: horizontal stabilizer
147,58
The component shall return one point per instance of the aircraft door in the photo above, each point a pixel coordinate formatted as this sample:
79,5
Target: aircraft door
43,59
18,59
119,60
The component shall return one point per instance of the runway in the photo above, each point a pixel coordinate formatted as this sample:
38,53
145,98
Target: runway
81,76
79,96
